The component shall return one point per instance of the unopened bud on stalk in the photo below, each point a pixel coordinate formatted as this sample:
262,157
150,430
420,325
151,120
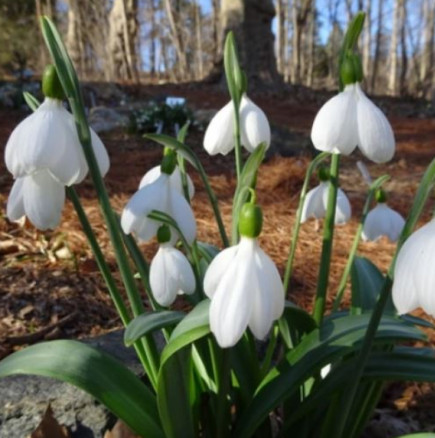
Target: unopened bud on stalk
51,86
250,219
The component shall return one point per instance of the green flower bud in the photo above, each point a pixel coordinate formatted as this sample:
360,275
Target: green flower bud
250,220
380,196
163,234
323,174
51,86
169,161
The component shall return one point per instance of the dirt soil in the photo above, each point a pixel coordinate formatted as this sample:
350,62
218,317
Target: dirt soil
50,286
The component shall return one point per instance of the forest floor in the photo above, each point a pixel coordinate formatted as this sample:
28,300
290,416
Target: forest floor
50,286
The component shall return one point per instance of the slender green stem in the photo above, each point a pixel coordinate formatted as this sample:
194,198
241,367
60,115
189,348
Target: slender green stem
270,350
292,249
237,143
222,414
356,240
420,199
99,257
328,234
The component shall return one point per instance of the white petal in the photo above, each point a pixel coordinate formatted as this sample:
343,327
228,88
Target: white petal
181,212
218,267
313,204
150,176
170,274
414,276
382,221
100,153
343,210
376,138
151,197
43,198
231,305
335,126
15,207
218,137
254,126
270,282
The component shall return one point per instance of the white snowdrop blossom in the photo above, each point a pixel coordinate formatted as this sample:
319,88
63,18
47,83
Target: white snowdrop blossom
162,196
383,221
254,128
245,290
44,155
316,202
175,180
351,119
170,274
414,273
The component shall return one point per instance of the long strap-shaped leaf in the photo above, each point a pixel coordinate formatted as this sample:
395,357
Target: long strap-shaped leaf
97,373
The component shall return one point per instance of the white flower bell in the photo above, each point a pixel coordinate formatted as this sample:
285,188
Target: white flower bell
170,271
414,273
38,196
383,221
162,196
316,202
349,120
254,128
244,286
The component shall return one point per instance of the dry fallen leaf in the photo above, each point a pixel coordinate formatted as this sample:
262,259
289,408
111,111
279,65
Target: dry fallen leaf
120,430
49,427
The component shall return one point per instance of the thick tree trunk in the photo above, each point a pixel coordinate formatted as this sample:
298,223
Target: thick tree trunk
427,67
377,47
301,11
393,75
251,22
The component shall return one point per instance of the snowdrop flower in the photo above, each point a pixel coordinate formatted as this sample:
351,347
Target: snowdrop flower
254,128
349,120
414,273
38,196
170,271
244,285
316,202
383,221
44,155
159,195
175,180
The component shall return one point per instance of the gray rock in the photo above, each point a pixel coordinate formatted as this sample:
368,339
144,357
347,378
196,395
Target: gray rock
286,143
103,119
204,116
24,399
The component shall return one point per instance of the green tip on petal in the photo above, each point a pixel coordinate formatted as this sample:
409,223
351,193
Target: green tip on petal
51,86
163,234
250,220
169,161
380,196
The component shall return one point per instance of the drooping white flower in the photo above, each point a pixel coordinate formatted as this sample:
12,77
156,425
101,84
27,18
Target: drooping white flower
316,202
254,128
170,274
174,180
38,196
48,140
383,221
350,119
245,290
414,273
158,195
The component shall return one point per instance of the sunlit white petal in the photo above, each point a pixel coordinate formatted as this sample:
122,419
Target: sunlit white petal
383,221
254,126
219,136
313,204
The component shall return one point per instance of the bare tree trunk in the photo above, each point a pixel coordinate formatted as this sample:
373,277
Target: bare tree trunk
427,68
367,40
377,47
393,76
286,48
199,71
310,48
300,16
153,35
280,14
217,43
404,55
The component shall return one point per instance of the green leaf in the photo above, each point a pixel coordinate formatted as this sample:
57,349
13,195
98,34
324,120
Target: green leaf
174,398
419,435
150,322
32,102
97,373
248,179
335,339
192,327
181,148
367,282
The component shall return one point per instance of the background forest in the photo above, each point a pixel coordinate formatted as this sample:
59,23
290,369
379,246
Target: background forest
293,41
